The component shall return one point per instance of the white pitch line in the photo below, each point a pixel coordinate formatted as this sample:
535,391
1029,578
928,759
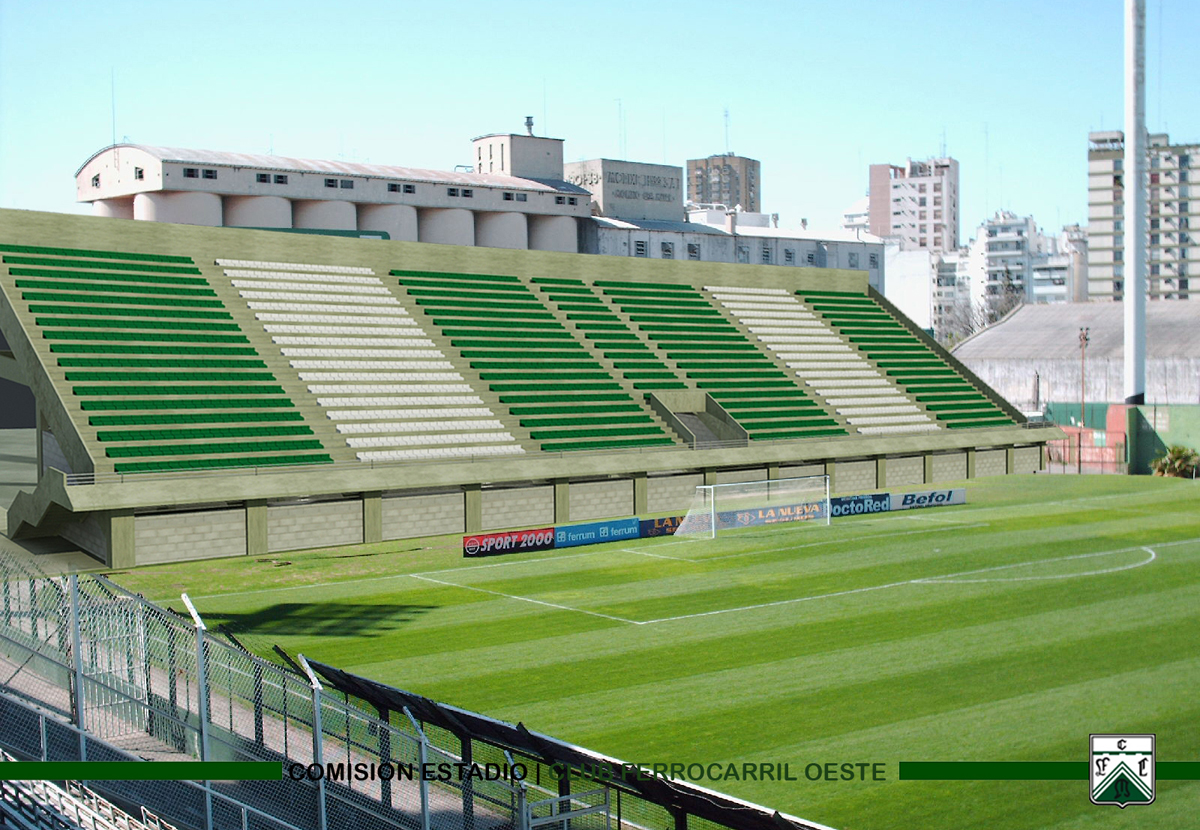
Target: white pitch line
844,540
526,599
955,580
927,579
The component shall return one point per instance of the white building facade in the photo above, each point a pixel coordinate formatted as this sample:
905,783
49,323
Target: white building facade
917,202
1173,213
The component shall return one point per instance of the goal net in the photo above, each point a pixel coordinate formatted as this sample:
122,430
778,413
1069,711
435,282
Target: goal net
719,507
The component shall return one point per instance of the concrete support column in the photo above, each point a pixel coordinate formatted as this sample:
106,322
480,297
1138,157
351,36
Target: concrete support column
880,473
1010,460
119,530
710,478
831,471
562,501
772,472
641,491
1042,458
970,462
929,468
473,508
41,426
372,517
256,528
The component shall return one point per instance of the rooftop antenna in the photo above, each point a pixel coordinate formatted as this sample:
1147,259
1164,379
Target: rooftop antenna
529,124
727,131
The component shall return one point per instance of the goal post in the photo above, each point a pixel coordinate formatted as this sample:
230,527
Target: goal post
719,507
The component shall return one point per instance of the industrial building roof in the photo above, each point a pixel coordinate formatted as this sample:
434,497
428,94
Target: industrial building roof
1040,331
341,168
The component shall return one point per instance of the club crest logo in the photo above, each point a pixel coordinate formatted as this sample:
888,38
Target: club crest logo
1122,769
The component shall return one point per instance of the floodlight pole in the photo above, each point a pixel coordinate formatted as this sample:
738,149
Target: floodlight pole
1135,190
1083,344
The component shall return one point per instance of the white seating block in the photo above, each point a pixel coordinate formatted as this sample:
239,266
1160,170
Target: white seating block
437,400
888,419
283,266
270,317
716,289
883,430
293,329
393,389
416,440
367,377
332,308
404,414
417,426
315,287
405,365
291,351
401,343
439,452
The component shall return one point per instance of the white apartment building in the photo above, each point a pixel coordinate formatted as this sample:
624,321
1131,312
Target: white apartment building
1173,252
917,202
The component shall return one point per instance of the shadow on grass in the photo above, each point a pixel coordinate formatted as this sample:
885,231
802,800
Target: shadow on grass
321,619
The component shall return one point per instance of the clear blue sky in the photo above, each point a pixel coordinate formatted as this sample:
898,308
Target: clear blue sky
816,90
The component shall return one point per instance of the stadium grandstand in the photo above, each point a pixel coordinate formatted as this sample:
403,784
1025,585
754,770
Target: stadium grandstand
206,392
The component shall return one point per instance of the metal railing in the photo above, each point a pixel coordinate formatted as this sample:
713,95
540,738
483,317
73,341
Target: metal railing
91,671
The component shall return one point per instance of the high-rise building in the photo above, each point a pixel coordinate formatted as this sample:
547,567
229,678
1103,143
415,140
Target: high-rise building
727,180
917,203
1173,256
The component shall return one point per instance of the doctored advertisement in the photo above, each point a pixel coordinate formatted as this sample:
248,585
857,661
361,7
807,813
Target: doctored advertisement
775,514
516,541
929,498
596,533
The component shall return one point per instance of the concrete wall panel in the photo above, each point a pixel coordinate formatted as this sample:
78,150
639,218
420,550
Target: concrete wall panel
671,493
601,500
175,537
903,472
518,507
738,476
950,467
406,517
1026,460
317,525
89,534
990,463
854,476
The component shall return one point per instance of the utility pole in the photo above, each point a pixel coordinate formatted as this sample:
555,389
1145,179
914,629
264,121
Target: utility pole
1083,342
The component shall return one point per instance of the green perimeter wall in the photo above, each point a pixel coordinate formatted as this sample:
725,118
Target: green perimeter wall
1151,429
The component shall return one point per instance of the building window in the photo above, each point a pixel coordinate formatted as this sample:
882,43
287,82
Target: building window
811,258
668,250
1153,239
410,188
522,197
262,178
331,182
852,259
571,200
139,173
280,178
393,187
96,180
639,247
789,256
560,200
508,197
766,255
693,251
347,184
873,260
468,193
191,172
743,253
451,191
210,174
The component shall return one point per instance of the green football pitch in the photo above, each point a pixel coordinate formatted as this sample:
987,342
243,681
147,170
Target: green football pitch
1007,629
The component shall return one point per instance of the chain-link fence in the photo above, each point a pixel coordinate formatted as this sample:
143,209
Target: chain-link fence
90,671
1086,451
